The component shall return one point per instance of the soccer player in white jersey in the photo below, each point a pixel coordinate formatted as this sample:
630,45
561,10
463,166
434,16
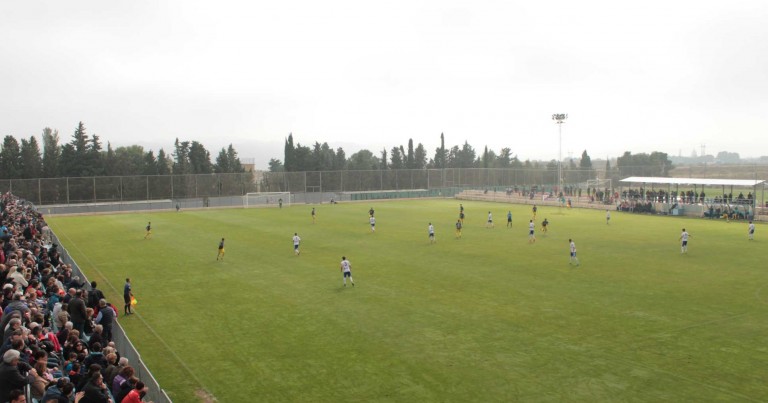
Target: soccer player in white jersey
431,230
373,223
607,217
346,271
296,241
751,231
574,259
684,237
490,220
531,232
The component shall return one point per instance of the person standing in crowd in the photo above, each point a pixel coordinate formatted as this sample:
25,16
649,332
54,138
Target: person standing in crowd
296,242
220,254
94,296
77,312
106,318
346,271
684,238
573,258
127,294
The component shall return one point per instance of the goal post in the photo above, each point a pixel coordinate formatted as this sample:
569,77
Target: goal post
267,199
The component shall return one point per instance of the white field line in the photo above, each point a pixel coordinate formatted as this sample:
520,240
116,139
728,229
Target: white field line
152,330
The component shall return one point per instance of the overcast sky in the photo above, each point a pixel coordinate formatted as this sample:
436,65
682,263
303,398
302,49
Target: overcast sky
640,76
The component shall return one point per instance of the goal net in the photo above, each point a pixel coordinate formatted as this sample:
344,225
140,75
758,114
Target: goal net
267,199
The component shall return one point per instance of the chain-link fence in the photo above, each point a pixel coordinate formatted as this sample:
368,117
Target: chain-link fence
111,189
119,189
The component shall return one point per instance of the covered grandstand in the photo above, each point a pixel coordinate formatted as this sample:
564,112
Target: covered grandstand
700,197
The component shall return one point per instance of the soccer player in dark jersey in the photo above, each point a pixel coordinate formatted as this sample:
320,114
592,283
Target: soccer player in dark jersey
221,250
148,235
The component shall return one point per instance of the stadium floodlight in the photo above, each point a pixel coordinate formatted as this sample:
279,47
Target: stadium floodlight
560,118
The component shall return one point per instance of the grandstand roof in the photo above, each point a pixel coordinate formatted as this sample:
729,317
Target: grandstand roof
692,181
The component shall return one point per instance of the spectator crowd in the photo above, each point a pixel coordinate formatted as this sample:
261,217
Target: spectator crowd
57,332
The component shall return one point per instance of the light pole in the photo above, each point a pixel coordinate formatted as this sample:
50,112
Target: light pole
560,118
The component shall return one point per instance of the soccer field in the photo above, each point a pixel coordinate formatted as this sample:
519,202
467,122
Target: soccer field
488,317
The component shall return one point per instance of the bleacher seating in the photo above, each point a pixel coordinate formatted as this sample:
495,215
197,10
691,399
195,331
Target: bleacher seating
39,293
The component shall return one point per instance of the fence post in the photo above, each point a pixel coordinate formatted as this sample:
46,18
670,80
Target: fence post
121,189
147,177
94,189
39,193
67,189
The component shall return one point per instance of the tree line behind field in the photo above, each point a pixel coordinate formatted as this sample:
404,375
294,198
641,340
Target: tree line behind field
84,156
321,157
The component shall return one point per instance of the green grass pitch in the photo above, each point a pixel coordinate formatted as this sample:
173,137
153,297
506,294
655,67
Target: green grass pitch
488,317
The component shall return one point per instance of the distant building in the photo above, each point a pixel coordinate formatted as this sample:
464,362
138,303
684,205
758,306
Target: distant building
249,164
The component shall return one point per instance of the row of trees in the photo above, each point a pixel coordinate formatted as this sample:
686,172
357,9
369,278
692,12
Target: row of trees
321,157
85,156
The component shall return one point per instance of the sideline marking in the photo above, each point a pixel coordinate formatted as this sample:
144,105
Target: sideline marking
173,353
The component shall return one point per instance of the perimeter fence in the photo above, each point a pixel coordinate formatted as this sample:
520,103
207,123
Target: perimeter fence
206,189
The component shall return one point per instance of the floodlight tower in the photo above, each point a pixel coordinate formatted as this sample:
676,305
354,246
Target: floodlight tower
560,118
